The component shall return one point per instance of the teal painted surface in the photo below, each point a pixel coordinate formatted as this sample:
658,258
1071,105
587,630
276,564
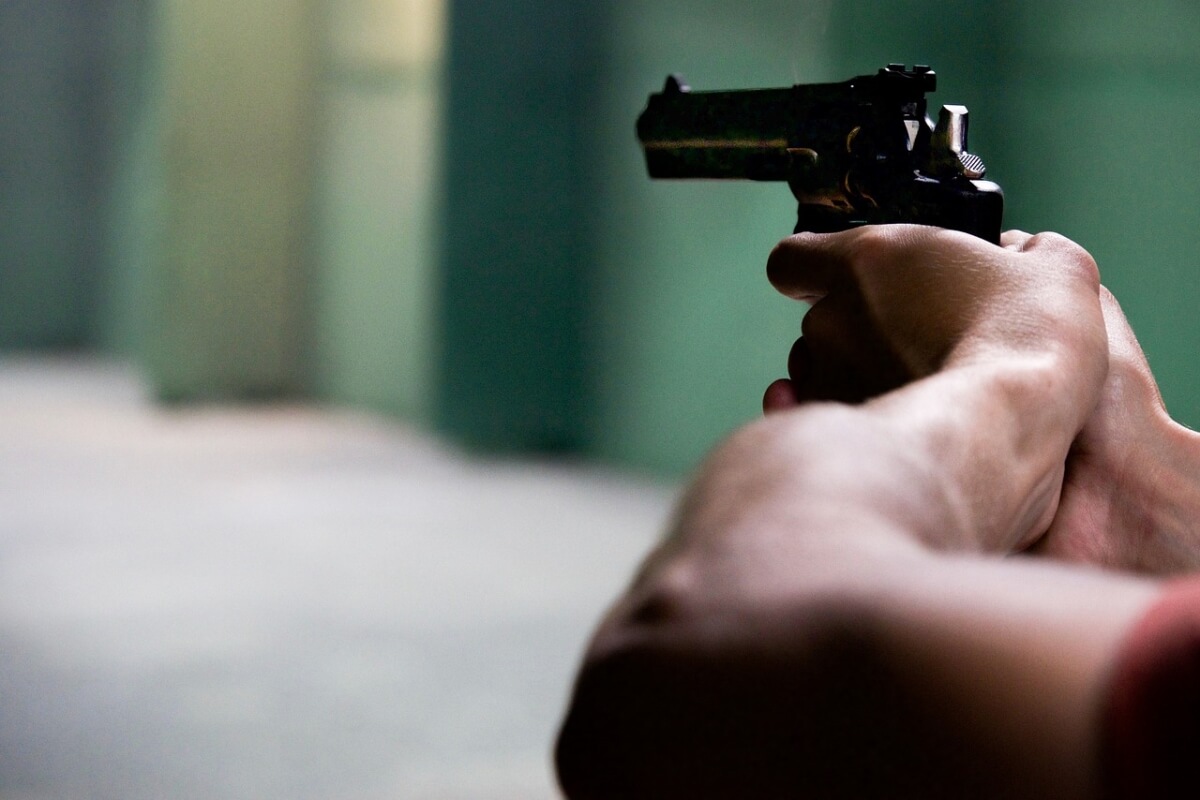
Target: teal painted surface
684,332
375,301
1110,123
54,147
228,295
518,203
133,213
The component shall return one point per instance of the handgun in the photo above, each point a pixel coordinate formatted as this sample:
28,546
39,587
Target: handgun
859,152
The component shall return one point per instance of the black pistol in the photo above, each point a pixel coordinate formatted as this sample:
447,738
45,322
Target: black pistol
859,152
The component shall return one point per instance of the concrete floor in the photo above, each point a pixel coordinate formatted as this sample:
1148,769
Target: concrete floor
285,602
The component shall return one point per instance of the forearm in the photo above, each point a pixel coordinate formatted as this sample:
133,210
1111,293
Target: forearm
1171,498
937,677
1141,513
1004,669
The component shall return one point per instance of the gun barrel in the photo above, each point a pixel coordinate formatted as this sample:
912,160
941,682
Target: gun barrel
729,135
859,152
753,134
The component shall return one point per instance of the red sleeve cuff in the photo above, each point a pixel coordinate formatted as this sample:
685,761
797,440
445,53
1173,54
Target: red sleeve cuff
1151,722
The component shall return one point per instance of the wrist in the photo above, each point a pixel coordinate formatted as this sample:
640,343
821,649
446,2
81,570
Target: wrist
1157,498
999,428
1131,497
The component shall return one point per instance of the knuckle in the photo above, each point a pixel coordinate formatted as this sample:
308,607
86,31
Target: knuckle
1067,253
818,324
877,247
874,245
670,600
1087,266
870,251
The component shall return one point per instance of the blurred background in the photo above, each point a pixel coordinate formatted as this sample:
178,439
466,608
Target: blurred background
439,211
434,215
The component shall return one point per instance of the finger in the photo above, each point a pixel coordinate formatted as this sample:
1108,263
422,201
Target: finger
805,378
1123,346
780,396
807,266
799,364
831,323
1014,240
826,362
1065,253
1121,339
841,356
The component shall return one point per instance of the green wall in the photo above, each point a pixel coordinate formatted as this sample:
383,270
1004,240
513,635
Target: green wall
684,332
522,78
228,297
375,302
1109,120
133,212
54,133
